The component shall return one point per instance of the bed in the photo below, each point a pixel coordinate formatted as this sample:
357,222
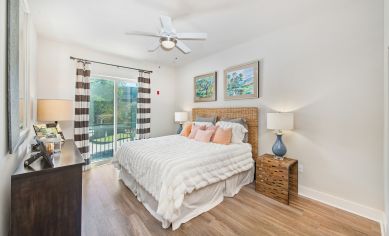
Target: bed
177,178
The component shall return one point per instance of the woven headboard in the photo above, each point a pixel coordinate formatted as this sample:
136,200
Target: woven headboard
248,113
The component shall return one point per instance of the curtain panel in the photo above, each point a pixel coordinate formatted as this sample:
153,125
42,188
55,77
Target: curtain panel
143,107
81,109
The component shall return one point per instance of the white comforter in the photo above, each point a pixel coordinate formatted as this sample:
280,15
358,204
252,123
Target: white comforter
169,167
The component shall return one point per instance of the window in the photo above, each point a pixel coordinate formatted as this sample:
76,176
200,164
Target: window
112,115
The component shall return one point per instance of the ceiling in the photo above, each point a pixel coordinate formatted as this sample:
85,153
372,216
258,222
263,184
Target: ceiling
101,24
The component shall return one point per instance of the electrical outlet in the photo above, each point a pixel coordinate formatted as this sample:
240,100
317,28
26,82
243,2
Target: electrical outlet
301,168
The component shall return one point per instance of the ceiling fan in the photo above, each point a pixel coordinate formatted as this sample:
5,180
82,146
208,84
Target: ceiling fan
169,38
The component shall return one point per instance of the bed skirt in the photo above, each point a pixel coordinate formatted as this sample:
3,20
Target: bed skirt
195,203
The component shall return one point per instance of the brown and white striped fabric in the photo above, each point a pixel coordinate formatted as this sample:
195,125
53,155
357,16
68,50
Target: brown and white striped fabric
143,107
81,110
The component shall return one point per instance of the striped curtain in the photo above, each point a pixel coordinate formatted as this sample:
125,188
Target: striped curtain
143,106
81,110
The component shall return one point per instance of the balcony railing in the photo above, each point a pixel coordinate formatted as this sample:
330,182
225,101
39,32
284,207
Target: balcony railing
101,139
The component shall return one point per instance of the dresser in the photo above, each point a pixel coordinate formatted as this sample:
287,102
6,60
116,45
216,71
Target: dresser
277,179
45,200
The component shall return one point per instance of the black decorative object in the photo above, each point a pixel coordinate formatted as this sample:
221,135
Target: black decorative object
43,153
33,158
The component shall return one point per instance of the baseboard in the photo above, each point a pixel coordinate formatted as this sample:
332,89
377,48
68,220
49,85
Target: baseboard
353,207
384,226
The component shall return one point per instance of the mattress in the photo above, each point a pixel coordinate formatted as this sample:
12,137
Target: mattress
170,167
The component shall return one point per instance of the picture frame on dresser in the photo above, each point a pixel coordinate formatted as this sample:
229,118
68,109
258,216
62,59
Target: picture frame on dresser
18,101
242,81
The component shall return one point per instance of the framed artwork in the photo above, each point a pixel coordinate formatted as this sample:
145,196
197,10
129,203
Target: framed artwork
17,73
205,87
42,130
46,130
241,81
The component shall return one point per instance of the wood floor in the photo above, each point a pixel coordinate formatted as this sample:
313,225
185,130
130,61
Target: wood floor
109,208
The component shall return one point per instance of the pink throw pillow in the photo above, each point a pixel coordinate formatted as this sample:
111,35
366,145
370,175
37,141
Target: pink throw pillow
213,129
194,130
223,136
203,135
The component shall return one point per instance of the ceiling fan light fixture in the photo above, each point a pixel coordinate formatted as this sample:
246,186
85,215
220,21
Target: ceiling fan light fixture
168,43
169,38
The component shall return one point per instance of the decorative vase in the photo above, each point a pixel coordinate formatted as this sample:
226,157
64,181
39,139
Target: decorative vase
279,148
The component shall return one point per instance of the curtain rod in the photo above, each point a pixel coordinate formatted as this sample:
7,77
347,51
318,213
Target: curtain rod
108,64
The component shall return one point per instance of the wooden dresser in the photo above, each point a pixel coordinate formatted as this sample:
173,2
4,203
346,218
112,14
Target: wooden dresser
48,201
277,179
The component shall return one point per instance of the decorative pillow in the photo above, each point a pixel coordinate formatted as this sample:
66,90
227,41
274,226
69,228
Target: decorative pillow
223,136
211,119
186,130
213,129
238,131
207,124
194,130
203,135
241,121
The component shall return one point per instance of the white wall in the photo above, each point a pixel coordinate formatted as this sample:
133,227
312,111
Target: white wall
386,100
329,72
56,73
9,162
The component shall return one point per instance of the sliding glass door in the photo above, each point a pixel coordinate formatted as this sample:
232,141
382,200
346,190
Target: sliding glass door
112,116
127,94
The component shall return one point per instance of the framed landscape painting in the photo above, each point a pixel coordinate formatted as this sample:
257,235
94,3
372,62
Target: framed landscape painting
205,87
241,81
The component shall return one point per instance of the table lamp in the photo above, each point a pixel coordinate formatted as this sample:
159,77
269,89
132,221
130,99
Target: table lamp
180,118
279,122
54,110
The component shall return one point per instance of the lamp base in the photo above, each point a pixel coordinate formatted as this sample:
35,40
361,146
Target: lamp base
279,148
179,129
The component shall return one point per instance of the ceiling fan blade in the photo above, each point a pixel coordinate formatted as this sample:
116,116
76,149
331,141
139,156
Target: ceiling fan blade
141,33
192,35
185,49
154,47
167,25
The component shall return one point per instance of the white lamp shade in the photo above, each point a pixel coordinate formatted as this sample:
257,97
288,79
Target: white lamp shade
181,116
54,110
280,121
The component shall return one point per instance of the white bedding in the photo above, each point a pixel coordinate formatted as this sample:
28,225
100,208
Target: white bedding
196,202
171,166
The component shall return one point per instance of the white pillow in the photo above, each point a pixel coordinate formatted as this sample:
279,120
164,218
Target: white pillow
200,123
238,130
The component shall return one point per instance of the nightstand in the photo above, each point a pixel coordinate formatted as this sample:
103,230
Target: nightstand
277,179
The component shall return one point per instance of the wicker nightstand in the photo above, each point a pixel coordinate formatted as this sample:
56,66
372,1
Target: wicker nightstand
277,179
